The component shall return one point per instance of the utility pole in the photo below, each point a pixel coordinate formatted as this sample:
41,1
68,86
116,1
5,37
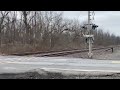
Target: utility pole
90,37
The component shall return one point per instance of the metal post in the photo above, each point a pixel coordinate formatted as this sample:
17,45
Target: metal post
90,43
88,17
112,49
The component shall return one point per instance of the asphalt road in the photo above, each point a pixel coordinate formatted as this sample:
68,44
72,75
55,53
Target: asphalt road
18,64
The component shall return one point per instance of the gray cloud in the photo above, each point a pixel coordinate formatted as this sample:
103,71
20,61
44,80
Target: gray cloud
108,20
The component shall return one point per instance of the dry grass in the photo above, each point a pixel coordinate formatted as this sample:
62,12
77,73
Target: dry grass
21,48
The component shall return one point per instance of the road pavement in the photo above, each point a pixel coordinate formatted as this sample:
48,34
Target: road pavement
18,64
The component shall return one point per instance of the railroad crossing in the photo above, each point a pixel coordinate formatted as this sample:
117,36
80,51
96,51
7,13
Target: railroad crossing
89,36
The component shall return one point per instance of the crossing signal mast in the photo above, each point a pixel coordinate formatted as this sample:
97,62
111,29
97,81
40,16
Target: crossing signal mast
90,37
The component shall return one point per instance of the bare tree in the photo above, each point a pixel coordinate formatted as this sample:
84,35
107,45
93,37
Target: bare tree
46,30
3,15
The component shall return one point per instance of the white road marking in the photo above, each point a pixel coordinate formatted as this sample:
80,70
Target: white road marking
116,62
78,70
10,68
47,63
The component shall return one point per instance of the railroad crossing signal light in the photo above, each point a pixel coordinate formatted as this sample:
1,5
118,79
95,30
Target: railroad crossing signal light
84,27
94,26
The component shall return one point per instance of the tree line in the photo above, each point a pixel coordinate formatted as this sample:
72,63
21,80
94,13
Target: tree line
29,31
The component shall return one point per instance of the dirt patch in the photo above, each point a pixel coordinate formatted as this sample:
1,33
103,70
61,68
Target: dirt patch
54,75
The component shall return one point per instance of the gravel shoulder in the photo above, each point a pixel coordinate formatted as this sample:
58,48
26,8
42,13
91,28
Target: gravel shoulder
99,54
59,75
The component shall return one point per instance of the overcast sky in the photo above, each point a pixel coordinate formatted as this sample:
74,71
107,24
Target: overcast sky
107,20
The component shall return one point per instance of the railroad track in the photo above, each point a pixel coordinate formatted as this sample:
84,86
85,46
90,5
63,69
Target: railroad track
63,52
